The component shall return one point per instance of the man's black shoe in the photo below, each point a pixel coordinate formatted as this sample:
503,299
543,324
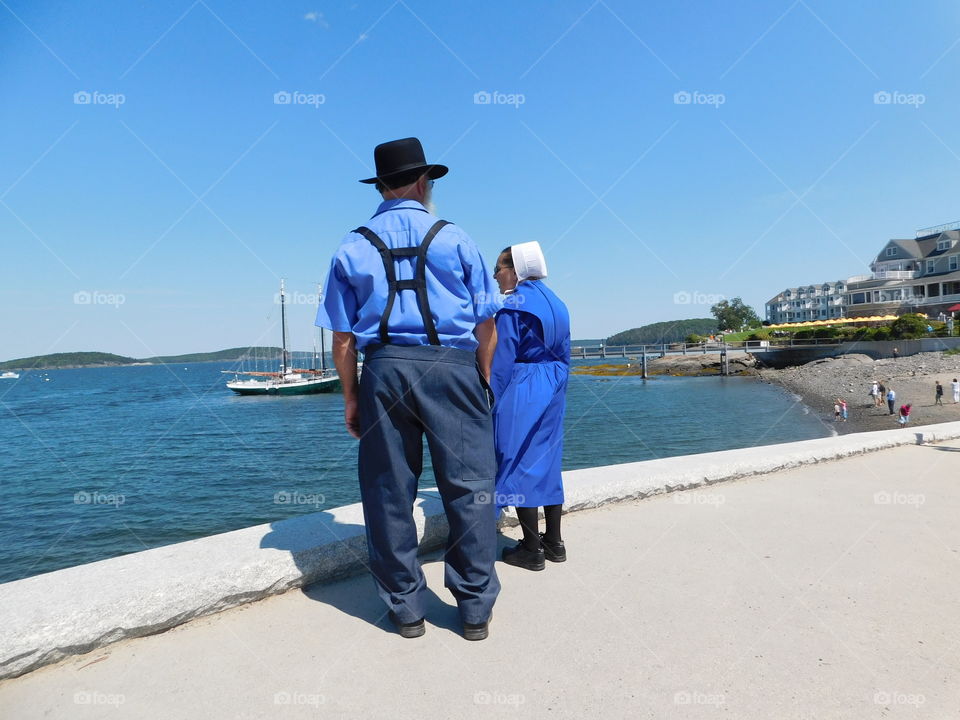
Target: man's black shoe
411,629
478,631
521,557
553,551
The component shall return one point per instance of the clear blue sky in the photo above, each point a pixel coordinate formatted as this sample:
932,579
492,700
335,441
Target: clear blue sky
197,193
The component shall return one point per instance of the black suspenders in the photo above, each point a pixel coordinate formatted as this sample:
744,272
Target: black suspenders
418,283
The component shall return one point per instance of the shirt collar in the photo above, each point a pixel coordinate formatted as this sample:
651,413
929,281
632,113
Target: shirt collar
399,204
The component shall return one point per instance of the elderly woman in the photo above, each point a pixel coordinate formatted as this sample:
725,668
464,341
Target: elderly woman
529,382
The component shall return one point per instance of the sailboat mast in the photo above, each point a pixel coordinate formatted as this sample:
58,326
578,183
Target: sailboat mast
283,326
323,350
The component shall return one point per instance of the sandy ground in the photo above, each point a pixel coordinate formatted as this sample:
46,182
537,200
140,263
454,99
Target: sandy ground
913,379
827,591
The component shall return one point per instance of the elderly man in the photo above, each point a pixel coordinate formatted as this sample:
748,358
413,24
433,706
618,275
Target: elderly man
413,294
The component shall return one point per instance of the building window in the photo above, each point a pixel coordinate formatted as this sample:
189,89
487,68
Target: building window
858,298
933,290
918,291
891,252
931,266
953,261
951,288
944,244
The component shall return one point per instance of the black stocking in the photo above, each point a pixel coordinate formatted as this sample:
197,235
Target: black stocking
528,521
552,513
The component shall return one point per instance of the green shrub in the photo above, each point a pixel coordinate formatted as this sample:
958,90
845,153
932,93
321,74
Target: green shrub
909,326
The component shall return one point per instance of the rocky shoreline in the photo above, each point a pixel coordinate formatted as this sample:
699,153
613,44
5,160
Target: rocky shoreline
820,382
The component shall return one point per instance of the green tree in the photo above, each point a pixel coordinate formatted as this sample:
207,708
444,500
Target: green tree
909,326
734,315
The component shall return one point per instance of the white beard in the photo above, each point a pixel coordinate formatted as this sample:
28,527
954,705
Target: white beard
428,202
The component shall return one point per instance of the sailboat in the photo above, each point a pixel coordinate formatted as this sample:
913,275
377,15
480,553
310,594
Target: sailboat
9,375
289,381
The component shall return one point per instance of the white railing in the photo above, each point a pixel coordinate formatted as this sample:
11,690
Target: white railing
895,275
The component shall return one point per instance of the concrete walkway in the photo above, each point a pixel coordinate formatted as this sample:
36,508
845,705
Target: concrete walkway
827,591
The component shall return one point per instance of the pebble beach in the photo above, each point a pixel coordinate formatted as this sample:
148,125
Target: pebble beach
913,378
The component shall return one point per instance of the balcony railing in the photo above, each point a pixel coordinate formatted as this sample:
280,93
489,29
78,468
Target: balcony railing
895,275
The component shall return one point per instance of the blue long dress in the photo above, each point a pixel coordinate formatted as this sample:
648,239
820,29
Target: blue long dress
529,381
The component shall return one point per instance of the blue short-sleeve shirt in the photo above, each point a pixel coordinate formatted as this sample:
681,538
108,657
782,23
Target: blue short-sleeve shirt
461,292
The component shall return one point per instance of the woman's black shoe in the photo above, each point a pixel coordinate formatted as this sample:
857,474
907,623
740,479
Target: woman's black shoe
553,551
521,557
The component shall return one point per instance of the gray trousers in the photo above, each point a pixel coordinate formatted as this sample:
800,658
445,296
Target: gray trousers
406,392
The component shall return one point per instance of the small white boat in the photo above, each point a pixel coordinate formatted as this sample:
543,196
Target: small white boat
9,376
290,380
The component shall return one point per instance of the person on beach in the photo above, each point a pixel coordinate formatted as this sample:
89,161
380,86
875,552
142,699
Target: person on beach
836,410
904,414
843,409
413,293
874,391
939,392
531,367
881,394
891,397
955,386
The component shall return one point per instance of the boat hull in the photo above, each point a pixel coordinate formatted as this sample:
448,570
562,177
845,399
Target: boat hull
308,387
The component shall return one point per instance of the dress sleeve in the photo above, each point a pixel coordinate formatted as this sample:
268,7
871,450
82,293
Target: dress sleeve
338,309
505,356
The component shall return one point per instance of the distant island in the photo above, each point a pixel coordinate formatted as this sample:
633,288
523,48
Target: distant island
665,332
100,359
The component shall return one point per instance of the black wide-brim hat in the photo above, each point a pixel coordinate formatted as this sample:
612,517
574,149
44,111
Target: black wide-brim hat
401,157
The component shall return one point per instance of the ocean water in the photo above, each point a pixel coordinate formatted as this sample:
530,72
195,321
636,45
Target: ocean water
99,462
